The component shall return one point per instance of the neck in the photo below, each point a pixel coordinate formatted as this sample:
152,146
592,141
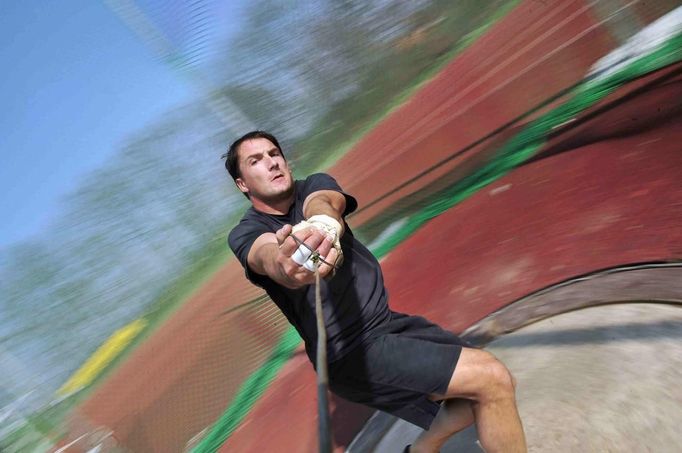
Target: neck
276,207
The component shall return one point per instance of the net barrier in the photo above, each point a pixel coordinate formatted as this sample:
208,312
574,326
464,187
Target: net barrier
518,150
232,354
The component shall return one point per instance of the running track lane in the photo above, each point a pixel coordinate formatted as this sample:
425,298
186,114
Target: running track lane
604,204
146,401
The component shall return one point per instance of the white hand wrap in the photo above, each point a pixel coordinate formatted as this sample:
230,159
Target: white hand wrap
301,255
309,265
327,225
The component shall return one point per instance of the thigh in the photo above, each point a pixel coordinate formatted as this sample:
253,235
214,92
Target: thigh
381,376
410,354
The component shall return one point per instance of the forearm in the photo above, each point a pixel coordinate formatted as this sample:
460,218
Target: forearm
271,265
327,203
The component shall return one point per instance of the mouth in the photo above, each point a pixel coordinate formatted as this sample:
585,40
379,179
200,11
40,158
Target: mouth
277,177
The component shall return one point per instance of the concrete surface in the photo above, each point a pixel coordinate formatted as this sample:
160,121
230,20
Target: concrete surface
600,379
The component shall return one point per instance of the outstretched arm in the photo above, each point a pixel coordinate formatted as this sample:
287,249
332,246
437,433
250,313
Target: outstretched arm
326,202
271,253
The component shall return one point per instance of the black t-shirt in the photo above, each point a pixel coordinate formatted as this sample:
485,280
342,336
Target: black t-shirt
354,301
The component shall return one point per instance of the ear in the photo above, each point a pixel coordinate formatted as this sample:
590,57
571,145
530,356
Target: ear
241,185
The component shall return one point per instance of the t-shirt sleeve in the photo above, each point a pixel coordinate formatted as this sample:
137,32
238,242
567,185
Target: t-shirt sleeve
322,181
241,239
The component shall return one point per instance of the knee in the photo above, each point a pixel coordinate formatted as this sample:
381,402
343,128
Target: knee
479,375
500,382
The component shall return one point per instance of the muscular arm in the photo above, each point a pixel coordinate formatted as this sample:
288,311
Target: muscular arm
271,253
327,202
264,258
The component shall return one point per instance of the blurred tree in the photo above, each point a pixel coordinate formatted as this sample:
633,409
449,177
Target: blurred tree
129,229
314,73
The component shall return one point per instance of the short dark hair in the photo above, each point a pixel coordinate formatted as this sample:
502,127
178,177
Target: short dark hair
232,155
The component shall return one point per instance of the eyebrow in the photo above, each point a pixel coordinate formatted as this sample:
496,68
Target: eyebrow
259,154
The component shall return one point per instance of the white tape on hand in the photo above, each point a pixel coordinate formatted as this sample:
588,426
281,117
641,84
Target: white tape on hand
301,255
329,227
309,265
300,226
326,224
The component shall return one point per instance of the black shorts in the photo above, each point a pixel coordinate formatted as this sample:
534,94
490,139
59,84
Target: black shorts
398,367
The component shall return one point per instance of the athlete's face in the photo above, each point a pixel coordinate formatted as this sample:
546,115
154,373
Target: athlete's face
265,175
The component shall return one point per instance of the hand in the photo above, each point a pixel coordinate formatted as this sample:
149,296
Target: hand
328,226
296,275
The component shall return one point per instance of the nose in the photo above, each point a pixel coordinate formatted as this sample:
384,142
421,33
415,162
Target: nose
272,162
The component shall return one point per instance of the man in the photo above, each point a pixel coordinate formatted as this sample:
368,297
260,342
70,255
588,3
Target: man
401,364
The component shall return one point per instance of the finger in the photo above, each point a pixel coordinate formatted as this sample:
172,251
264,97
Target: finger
302,235
314,240
306,278
302,275
322,251
282,234
326,262
289,246
327,267
309,265
325,246
301,254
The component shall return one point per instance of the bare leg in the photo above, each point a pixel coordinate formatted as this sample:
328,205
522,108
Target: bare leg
483,389
454,415
494,436
480,377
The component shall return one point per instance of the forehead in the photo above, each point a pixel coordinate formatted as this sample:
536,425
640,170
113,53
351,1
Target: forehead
254,146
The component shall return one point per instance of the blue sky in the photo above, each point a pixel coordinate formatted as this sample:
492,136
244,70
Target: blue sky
76,82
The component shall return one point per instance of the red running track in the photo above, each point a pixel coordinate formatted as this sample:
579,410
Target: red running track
614,201
166,392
